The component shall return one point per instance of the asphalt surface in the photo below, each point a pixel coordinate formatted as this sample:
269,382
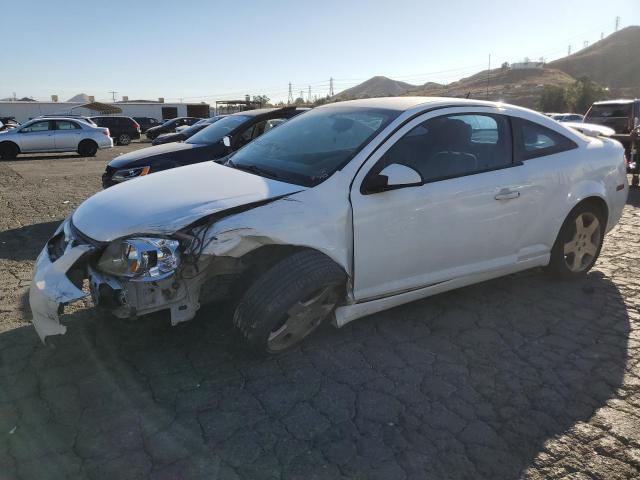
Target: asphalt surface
520,377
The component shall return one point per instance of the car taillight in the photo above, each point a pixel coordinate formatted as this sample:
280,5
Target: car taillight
105,131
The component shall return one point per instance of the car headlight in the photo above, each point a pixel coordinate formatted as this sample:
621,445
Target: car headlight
129,173
143,258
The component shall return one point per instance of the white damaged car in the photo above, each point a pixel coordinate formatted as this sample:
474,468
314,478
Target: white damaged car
345,210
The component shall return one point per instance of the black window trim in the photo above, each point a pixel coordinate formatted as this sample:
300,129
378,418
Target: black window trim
510,130
518,143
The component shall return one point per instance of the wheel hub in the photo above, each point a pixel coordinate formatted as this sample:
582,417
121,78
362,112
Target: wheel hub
583,247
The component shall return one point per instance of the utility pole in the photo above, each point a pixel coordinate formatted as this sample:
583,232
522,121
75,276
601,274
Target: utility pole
331,87
617,23
488,73
601,35
569,51
309,95
113,95
290,99
586,44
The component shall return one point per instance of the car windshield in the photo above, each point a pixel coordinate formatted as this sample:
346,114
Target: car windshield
611,110
216,131
309,148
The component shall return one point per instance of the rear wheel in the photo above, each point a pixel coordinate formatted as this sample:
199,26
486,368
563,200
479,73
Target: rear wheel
288,302
579,242
87,148
124,139
8,150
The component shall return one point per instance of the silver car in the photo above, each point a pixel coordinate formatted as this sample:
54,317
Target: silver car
56,134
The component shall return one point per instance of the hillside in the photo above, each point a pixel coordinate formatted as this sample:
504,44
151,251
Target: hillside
613,62
81,98
521,87
378,86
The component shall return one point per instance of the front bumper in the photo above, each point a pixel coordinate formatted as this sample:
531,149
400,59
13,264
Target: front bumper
51,288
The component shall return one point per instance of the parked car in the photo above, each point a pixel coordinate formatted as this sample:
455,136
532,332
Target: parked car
123,129
181,134
208,144
146,123
75,117
567,117
170,126
7,123
347,210
624,117
54,135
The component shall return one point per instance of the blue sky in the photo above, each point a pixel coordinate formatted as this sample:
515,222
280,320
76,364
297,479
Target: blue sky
203,50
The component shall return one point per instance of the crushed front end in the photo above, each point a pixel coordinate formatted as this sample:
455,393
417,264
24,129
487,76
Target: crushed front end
130,277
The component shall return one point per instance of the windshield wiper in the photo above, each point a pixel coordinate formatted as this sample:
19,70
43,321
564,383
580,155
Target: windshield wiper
253,169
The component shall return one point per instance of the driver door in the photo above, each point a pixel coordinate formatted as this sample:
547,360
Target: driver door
462,219
37,137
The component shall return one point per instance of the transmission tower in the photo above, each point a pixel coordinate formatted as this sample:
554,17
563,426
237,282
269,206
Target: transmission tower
331,87
302,95
290,99
309,95
617,23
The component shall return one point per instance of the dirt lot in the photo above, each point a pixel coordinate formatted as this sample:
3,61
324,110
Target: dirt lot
518,377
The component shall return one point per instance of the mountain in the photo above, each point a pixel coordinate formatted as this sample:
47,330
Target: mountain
378,86
521,87
79,98
612,62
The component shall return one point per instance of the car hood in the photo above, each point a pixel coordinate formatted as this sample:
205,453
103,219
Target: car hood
136,156
167,201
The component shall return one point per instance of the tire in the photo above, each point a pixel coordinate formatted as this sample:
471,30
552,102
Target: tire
124,139
288,302
8,150
87,148
579,242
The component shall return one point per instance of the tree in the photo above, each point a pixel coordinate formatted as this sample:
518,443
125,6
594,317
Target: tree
504,66
553,99
583,93
299,101
263,99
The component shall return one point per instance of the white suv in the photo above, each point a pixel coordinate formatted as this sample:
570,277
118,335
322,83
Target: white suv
54,135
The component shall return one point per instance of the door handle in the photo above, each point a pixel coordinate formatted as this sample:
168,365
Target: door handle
506,194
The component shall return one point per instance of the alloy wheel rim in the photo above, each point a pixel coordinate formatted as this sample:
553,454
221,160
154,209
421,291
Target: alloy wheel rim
124,139
581,250
303,318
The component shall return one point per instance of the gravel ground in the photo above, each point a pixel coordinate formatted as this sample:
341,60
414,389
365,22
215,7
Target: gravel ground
521,377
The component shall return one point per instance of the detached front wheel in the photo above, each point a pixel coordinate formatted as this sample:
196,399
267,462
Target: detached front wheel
579,242
289,301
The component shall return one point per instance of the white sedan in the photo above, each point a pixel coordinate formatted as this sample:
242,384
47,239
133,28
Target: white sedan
54,134
343,211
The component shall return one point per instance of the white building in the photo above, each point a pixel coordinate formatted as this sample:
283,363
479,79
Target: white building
527,65
25,110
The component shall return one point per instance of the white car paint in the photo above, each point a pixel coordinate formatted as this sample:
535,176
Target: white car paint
591,129
395,246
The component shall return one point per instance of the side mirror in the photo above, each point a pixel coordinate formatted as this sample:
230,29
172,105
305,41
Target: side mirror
226,140
393,177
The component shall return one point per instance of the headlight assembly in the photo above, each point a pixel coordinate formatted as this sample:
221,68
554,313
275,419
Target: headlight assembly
143,258
129,173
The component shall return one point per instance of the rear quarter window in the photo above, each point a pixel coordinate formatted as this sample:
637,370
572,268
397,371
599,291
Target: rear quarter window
533,140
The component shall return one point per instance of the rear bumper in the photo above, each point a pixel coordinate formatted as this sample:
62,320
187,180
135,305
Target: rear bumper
106,142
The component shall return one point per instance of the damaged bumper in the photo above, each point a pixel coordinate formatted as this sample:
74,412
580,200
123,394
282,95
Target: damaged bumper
51,288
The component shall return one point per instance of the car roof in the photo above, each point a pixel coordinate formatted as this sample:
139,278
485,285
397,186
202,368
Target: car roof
402,104
61,117
615,102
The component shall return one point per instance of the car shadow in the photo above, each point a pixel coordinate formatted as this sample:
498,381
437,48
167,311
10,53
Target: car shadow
25,243
468,384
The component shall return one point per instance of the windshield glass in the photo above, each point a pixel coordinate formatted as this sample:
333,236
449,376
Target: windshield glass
611,110
216,131
309,148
